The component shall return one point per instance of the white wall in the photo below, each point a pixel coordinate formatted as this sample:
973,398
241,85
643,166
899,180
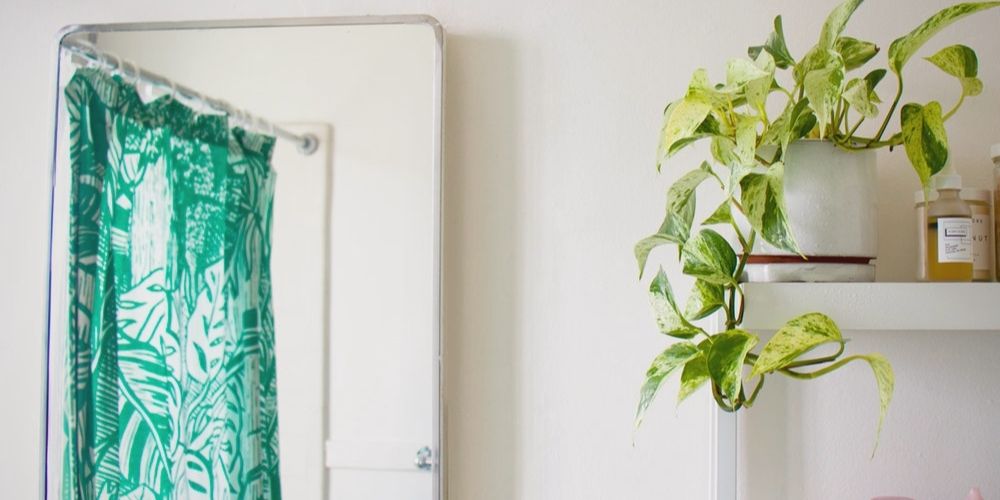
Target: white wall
938,440
553,109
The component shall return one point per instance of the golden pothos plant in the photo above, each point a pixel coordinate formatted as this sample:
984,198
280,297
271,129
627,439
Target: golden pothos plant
748,151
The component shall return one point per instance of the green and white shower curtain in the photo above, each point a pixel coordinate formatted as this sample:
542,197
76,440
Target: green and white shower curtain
170,355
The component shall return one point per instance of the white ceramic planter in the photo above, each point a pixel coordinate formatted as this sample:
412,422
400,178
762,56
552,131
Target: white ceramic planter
832,200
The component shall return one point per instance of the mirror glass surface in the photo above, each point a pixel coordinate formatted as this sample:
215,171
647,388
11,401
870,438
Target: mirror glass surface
355,237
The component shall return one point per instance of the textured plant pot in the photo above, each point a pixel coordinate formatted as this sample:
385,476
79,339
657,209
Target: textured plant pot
832,200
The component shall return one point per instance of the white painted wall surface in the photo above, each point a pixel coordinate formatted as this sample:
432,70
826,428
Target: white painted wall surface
551,122
813,440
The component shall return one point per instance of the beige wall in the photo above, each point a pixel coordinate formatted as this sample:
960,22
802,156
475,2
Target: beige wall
553,109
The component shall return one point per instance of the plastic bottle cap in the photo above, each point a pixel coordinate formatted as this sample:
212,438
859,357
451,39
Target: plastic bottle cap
995,151
947,180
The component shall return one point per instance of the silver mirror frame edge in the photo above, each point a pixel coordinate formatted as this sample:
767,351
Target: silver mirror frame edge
440,476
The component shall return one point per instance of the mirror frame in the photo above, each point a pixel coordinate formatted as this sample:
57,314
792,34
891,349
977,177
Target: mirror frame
439,480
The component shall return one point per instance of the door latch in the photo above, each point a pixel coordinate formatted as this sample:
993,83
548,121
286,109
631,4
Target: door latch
423,459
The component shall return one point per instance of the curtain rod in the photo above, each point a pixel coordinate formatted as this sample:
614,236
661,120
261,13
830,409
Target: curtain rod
307,143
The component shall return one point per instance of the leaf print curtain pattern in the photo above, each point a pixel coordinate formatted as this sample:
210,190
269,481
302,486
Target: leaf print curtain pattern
170,354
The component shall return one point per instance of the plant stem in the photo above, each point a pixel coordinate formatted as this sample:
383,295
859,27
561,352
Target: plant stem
871,143
731,308
838,116
957,105
747,250
739,234
719,400
738,206
821,371
756,390
854,128
892,109
817,361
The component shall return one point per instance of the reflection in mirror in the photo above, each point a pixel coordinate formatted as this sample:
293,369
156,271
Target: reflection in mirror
245,261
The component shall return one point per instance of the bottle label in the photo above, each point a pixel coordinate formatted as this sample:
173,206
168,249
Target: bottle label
982,256
954,239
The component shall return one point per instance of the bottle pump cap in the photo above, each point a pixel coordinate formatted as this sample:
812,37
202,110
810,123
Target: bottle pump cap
995,152
947,178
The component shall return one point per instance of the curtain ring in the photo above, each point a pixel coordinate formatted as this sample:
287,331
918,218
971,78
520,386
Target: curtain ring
201,102
118,65
92,55
136,72
173,89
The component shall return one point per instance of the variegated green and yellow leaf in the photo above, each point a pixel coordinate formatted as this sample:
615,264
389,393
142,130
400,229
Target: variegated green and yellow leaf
704,299
669,318
797,337
858,95
763,201
663,365
904,47
709,257
775,46
725,360
855,52
925,139
961,62
695,372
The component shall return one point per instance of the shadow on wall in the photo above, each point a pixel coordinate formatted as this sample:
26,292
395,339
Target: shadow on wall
481,283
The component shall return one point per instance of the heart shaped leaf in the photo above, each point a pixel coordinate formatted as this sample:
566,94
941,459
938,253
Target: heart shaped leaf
681,120
860,98
855,52
756,91
676,226
668,316
709,257
797,337
835,23
721,215
886,381
824,86
925,139
673,357
961,62
775,46
725,360
695,372
705,298
763,202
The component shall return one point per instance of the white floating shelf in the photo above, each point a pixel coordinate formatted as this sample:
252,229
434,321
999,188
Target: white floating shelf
877,306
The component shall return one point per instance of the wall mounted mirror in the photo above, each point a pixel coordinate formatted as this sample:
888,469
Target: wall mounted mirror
354,267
